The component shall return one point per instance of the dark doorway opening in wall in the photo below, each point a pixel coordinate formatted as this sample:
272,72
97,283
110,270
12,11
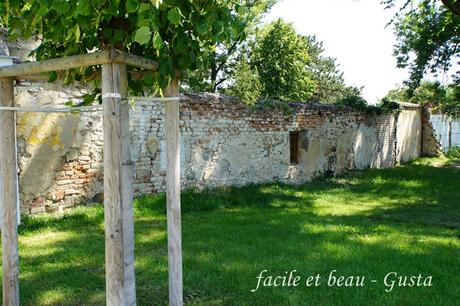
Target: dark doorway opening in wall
294,147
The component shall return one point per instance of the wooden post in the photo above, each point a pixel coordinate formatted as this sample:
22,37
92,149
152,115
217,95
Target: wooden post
118,216
173,195
127,192
8,196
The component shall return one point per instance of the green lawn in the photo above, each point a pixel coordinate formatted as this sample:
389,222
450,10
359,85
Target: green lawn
368,223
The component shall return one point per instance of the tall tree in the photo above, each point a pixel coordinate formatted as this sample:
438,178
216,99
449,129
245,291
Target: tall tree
218,65
281,58
246,83
428,36
330,84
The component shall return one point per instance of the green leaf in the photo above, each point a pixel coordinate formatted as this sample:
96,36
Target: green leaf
83,8
108,33
149,78
142,35
143,8
174,16
202,27
61,7
77,33
242,10
157,41
52,77
131,6
118,36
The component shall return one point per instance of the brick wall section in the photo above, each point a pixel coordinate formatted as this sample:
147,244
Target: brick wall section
223,143
430,144
386,133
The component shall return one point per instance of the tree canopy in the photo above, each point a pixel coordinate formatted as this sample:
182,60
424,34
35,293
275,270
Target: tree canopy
324,71
219,63
428,36
285,65
219,43
281,58
174,32
246,85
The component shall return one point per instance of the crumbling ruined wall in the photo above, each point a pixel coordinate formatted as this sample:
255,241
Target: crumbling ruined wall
223,143
440,132
59,154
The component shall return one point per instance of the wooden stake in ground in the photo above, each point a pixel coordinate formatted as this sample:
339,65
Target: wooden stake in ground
118,217
173,195
127,192
8,196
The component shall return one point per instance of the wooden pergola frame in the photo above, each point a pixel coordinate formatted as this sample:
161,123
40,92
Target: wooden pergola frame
118,174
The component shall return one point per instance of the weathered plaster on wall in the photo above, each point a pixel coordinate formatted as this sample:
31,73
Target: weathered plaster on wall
409,134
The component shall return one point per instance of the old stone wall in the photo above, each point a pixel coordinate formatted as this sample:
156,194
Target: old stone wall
223,143
59,154
430,143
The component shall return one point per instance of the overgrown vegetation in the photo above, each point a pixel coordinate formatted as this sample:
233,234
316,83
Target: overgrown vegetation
443,98
453,153
405,219
427,34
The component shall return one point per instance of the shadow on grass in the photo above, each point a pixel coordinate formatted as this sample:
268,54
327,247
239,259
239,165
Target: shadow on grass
267,196
78,217
224,251
412,194
62,259
224,262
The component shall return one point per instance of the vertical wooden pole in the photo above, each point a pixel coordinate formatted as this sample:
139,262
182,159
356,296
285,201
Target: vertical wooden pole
127,191
173,195
119,233
8,196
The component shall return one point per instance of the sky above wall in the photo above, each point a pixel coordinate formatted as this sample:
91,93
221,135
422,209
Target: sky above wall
353,31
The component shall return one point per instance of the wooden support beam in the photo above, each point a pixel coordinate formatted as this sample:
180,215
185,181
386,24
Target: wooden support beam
63,63
134,60
135,75
8,196
119,235
31,69
173,195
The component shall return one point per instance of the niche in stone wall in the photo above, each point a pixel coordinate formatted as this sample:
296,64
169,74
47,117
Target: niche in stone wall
294,147
309,151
